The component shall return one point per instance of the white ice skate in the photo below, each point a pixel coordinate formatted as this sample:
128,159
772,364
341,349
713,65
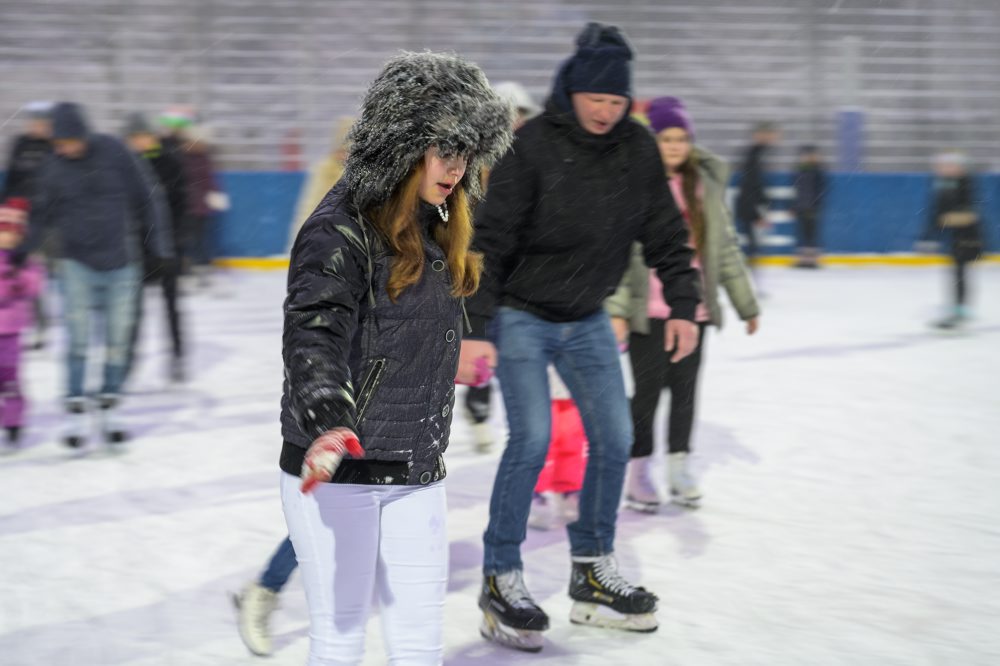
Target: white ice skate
482,434
683,490
543,512
641,493
254,606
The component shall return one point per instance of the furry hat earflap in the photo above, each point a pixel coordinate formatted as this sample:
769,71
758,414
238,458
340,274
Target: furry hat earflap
422,100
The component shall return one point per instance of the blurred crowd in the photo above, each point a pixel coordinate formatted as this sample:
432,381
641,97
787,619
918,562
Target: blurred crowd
101,216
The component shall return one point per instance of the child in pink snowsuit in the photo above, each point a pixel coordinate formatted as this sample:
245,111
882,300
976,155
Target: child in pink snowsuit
558,486
19,286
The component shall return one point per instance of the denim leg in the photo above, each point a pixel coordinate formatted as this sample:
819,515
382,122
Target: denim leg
280,567
121,286
78,285
588,363
524,347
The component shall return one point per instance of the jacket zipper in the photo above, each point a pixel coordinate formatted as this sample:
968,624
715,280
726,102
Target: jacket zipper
368,387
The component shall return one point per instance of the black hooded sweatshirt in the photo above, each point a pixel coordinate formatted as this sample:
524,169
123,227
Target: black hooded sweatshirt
562,210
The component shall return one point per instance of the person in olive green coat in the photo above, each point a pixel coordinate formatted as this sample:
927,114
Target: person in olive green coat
698,181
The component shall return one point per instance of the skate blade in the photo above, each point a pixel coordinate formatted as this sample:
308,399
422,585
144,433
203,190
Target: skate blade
597,615
642,507
686,503
525,640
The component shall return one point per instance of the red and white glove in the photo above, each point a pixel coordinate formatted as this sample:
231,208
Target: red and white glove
325,454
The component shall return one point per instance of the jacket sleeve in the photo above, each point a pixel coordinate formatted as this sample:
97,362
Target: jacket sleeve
147,199
44,202
628,298
158,202
503,215
733,274
14,176
664,238
326,283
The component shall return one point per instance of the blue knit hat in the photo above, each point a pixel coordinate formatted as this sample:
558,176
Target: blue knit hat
601,62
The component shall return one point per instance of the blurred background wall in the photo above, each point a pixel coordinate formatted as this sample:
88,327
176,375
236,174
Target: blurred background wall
906,77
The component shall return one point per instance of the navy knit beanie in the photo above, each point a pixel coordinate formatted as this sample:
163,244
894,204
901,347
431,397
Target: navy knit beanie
601,62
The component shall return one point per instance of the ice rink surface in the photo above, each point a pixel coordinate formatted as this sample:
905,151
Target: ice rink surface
849,456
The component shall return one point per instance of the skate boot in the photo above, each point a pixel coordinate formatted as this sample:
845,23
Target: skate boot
482,433
75,434
110,416
641,493
543,511
683,490
602,598
254,606
958,316
510,616
570,507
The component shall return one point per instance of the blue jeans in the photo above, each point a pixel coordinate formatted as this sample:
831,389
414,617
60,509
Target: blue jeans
586,355
280,568
113,295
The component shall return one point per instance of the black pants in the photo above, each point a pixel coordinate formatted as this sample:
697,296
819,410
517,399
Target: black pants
477,401
747,227
166,275
808,229
653,372
961,288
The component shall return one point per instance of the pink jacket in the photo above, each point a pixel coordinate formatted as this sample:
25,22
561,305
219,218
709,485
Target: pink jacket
18,288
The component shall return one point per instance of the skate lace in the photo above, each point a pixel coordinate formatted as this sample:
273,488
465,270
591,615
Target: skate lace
512,588
606,572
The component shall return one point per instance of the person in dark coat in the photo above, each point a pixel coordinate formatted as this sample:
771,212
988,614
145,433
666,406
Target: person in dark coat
93,193
955,221
171,182
752,202
28,152
373,327
581,183
810,191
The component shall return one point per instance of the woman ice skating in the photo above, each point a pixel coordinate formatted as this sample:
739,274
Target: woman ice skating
373,326
698,181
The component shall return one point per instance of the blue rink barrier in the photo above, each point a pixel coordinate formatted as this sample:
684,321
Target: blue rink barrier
864,213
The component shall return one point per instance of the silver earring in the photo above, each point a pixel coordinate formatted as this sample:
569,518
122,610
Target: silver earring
443,212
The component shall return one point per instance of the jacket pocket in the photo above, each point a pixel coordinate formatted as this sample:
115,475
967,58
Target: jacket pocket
368,387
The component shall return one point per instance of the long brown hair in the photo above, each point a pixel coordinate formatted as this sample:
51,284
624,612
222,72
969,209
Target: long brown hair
396,221
691,179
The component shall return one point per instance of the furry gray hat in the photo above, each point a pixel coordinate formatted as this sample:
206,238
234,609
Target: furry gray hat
422,100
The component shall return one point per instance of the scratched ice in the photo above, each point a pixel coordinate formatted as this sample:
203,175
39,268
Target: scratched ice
848,456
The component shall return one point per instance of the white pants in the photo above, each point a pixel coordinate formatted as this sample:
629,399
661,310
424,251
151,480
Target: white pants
356,544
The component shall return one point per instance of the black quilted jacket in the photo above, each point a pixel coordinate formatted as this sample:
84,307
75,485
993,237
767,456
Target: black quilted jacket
354,359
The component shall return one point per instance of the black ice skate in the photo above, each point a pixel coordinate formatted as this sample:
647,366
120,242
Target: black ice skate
510,616
111,423
603,598
75,434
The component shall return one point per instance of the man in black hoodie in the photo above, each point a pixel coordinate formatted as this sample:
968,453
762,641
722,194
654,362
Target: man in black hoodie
581,183
92,193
